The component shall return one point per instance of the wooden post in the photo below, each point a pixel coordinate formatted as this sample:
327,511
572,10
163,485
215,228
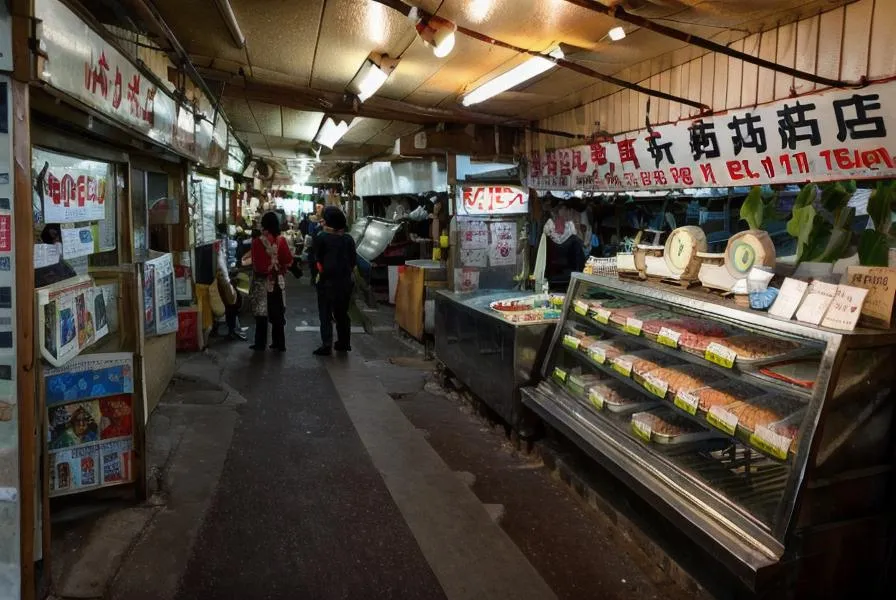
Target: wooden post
26,383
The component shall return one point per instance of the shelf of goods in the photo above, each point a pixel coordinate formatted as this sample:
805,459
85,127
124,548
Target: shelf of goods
494,341
767,441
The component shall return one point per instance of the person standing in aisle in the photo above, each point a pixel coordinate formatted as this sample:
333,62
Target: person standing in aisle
334,253
271,259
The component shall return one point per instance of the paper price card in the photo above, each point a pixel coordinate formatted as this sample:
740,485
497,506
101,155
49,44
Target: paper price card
602,315
597,354
642,430
596,399
687,402
720,355
580,307
656,386
722,419
623,367
669,337
560,374
773,444
633,326
877,311
571,342
845,309
789,298
816,303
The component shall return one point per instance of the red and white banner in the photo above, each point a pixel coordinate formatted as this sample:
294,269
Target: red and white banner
494,200
72,189
833,135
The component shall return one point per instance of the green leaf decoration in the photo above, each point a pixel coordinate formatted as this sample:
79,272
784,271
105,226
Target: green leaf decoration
753,208
879,206
805,197
873,248
834,197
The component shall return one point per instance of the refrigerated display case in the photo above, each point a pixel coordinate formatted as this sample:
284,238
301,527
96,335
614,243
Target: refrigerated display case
769,442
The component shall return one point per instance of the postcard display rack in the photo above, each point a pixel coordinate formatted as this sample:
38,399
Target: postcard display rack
768,442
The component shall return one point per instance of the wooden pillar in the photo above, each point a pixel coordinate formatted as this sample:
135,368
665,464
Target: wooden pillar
30,440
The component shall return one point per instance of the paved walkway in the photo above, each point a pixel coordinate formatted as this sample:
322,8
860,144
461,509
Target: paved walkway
294,477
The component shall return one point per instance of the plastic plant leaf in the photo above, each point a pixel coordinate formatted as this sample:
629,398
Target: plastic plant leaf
834,197
805,198
873,248
879,206
753,208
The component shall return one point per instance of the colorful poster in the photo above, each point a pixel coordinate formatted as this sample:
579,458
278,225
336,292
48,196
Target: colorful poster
502,247
74,470
160,300
71,189
72,316
90,376
74,424
833,135
149,299
77,241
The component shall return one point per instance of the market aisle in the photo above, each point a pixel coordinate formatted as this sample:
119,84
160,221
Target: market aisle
301,510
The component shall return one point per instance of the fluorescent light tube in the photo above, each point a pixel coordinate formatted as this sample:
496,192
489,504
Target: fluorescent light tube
331,132
369,79
531,68
616,34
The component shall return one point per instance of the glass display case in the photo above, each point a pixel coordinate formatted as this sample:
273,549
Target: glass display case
767,441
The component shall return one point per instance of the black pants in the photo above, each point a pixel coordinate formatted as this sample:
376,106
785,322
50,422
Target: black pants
231,312
277,318
332,303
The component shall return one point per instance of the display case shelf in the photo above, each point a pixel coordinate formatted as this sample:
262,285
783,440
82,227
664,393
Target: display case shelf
738,487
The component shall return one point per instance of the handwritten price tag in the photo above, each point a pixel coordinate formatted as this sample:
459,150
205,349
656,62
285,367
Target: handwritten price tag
773,444
687,402
656,386
669,337
720,355
602,315
642,430
596,399
633,326
560,374
623,367
722,419
580,307
571,342
597,354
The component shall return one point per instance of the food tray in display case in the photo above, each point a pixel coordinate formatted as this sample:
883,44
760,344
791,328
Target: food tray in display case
706,409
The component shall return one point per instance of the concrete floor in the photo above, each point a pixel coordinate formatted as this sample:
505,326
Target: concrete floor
350,477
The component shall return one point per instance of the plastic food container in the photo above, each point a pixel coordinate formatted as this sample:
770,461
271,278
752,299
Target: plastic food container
686,377
579,383
617,397
755,348
665,427
603,351
722,394
796,372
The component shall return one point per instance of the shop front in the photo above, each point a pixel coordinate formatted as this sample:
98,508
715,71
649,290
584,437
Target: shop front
101,149
746,395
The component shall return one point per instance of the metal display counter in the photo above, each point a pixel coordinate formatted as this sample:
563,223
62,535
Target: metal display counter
768,442
489,354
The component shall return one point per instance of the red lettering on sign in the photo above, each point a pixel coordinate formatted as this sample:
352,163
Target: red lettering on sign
82,190
802,162
659,178
550,161
784,159
740,169
598,154
68,190
95,77
577,163
627,152
768,165
707,173
491,199
645,178
565,160
116,90
631,180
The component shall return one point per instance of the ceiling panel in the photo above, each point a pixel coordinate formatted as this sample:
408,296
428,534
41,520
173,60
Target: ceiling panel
237,111
199,28
301,125
363,129
268,117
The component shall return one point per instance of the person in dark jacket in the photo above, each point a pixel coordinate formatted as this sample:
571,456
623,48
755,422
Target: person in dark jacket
335,256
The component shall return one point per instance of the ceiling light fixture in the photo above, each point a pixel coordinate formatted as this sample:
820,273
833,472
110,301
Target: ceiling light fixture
331,132
531,68
230,20
372,75
616,34
436,32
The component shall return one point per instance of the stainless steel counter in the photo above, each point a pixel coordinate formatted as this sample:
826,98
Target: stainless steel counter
492,356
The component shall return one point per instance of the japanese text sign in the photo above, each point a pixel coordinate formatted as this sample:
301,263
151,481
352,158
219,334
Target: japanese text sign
837,134
492,200
877,311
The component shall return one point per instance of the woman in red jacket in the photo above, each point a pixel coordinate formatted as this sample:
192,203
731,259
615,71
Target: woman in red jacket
271,259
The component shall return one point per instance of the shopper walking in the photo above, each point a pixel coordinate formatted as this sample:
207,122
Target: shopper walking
334,254
271,259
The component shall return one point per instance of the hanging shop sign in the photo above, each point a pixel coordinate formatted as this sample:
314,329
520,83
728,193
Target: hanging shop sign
71,317
5,39
10,568
226,182
71,189
217,154
236,158
492,200
837,134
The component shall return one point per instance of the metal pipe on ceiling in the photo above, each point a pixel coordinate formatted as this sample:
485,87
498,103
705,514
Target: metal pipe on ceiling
404,9
620,14
232,24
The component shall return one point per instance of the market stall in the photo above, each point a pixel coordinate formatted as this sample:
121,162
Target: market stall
747,396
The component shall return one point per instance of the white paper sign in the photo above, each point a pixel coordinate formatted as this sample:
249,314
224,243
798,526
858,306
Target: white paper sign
77,241
845,309
476,257
45,255
72,189
473,235
502,248
816,303
492,200
789,298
